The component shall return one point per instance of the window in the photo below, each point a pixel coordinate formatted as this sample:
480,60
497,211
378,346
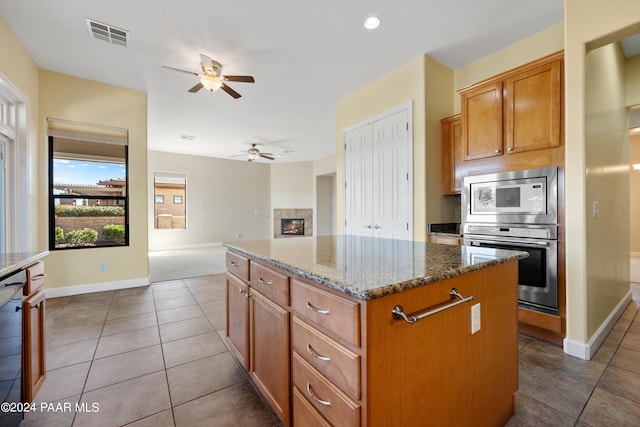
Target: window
173,186
88,198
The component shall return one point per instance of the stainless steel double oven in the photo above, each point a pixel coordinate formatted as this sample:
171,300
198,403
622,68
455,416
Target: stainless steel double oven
519,211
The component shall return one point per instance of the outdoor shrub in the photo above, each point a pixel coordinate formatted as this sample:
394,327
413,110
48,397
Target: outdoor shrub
72,210
113,232
59,234
84,237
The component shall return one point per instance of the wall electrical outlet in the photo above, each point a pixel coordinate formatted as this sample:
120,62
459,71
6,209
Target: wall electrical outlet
103,267
475,318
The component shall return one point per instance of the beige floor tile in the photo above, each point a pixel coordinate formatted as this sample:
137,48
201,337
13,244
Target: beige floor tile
124,366
237,406
185,328
621,382
193,348
607,410
208,295
126,401
161,419
60,333
127,341
175,302
553,389
163,294
169,284
64,382
631,341
52,414
71,354
627,359
553,358
530,412
196,379
178,314
124,310
129,323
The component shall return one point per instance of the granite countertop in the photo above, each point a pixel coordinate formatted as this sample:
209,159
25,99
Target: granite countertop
14,261
367,267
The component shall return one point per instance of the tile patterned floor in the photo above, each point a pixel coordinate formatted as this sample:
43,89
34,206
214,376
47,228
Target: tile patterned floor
156,356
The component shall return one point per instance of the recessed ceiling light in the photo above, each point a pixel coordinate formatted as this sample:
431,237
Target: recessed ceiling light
372,23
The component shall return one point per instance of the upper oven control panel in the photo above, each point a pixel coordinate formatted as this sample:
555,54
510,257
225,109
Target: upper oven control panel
531,232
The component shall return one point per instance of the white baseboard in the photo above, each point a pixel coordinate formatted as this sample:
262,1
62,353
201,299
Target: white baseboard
175,247
586,350
95,287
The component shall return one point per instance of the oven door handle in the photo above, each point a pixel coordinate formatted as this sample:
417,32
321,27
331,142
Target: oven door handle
509,243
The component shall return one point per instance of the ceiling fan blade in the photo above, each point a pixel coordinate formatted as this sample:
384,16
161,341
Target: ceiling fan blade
244,79
266,156
196,88
205,60
181,71
230,91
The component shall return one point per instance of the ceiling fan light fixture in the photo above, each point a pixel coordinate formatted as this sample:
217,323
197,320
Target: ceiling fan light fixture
211,83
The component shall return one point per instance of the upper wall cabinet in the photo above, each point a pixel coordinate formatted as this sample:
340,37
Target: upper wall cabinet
514,112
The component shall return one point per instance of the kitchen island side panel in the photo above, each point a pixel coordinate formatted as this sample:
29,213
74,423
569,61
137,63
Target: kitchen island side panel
435,370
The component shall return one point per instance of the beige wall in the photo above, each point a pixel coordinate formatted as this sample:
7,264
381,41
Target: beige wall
607,183
22,73
633,80
226,200
634,189
420,80
588,24
70,98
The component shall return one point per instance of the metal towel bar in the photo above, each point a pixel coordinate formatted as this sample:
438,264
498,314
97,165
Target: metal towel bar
398,312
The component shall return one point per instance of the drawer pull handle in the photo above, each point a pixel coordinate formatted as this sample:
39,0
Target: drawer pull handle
312,352
314,397
317,310
233,264
398,312
39,276
245,293
265,282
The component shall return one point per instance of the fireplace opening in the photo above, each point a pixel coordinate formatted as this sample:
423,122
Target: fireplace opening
292,226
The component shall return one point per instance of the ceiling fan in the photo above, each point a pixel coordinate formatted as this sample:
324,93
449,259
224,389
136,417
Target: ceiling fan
211,77
254,153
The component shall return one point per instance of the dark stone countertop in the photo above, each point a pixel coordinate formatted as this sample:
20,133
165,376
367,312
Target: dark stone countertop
367,267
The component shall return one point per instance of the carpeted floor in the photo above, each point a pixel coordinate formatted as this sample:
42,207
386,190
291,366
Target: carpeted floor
186,263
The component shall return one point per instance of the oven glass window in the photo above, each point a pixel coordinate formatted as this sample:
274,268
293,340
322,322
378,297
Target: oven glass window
508,197
532,271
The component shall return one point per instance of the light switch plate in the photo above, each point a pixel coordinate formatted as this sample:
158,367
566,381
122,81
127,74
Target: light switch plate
475,318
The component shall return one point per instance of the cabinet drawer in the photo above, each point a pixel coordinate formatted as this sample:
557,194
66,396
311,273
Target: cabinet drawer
35,278
238,265
328,399
333,360
304,414
340,316
271,283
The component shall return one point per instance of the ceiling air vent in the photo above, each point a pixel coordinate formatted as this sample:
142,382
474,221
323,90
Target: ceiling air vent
108,33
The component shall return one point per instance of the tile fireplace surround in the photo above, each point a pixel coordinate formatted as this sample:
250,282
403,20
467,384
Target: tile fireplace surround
279,214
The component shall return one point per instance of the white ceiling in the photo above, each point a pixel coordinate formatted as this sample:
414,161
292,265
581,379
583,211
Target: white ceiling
304,55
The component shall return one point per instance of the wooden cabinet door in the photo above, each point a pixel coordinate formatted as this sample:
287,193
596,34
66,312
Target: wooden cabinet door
270,353
238,319
533,108
34,344
451,155
482,131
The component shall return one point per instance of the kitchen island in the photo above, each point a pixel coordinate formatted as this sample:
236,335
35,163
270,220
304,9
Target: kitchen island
358,331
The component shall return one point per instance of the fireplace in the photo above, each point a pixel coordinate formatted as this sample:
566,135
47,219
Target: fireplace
292,226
